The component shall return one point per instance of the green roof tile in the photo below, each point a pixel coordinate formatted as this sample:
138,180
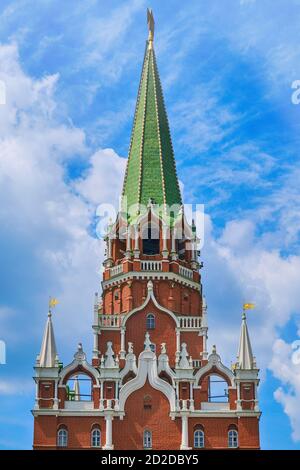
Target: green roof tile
151,169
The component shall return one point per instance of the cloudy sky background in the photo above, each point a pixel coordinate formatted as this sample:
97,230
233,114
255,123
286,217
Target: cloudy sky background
71,72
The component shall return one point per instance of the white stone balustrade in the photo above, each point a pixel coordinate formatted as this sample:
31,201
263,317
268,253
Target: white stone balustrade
116,270
185,405
151,265
110,321
185,272
190,323
109,404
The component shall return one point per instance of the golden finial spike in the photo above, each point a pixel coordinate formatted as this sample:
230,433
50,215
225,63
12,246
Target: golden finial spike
52,303
150,21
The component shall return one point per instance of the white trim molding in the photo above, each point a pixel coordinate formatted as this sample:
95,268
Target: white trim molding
214,362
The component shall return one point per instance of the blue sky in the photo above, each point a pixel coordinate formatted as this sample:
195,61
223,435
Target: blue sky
71,71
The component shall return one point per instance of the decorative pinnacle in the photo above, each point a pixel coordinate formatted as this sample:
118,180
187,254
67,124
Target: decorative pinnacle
150,21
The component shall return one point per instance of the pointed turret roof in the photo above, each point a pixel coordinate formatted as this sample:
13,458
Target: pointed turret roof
245,359
48,354
151,170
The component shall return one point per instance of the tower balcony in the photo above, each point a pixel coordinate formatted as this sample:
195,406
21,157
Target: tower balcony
116,270
190,323
151,265
158,266
186,272
110,321
109,404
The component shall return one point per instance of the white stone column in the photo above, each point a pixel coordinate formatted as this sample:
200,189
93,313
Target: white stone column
177,390
256,402
238,401
108,443
95,348
191,391
194,259
136,242
128,243
165,252
177,340
55,402
123,350
117,390
184,432
173,248
204,336
36,395
109,248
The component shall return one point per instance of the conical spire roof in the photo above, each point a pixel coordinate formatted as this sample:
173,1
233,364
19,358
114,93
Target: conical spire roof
48,352
245,358
151,170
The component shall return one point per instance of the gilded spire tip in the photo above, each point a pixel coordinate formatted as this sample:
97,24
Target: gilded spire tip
150,22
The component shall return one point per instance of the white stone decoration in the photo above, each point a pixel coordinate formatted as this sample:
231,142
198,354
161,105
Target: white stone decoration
184,361
79,360
147,342
215,365
110,362
147,368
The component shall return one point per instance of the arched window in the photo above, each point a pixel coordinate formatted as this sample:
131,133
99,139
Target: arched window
151,240
199,439
147,438
79,388
150,322
233,439
62,437
217,389
96,437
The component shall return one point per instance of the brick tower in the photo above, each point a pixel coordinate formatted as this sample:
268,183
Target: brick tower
151,383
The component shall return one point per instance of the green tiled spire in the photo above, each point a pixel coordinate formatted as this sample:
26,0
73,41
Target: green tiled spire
151,169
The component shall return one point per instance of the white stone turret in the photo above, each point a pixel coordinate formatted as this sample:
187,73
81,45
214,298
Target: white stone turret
245,359
48,356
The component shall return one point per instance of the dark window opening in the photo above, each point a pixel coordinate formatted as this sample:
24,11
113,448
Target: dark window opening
147,402
151,241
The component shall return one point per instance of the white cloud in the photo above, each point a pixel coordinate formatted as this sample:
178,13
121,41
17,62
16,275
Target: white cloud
45,223
16,387
44,220
102,182
239,267
286,368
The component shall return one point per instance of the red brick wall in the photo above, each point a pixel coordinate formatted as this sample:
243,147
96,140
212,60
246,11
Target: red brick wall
79,431
249,433
46,392
216,432
164,331
128,434
184,300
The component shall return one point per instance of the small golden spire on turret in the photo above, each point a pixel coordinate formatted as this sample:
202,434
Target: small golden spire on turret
150,21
